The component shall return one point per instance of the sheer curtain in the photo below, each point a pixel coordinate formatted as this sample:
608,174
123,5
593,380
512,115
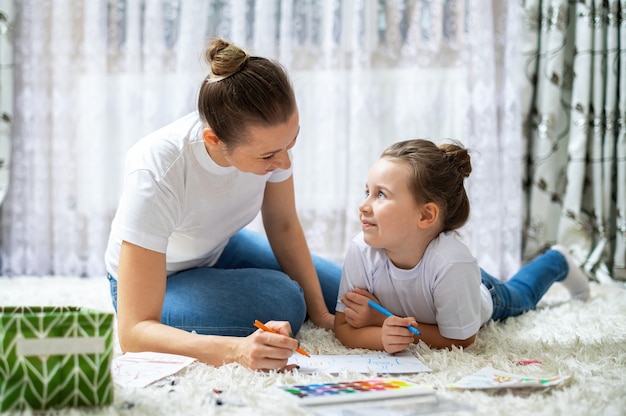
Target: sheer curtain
92,77
6,92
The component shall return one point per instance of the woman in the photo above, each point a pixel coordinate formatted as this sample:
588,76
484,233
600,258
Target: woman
186,277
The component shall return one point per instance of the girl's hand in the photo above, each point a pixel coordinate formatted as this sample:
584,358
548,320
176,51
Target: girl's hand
358,313
264,350
395,335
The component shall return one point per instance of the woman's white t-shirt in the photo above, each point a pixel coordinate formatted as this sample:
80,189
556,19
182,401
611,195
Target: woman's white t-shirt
444,288
176,200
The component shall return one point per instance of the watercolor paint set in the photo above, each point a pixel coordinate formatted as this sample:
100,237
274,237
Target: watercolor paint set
354,391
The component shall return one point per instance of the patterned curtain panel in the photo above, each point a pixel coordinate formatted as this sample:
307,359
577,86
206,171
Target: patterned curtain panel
6,92
575,98
93,76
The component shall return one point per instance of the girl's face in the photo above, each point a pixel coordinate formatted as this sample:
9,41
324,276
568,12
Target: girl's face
389,214
265,149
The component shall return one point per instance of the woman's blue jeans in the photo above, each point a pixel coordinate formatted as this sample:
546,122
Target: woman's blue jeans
245,284
523,290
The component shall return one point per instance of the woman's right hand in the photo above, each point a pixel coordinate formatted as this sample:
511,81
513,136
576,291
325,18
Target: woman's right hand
264,350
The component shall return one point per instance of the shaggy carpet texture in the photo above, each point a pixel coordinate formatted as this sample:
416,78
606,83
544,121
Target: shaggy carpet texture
583,340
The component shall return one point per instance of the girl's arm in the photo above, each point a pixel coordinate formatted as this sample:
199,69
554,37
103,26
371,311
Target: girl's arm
141,291
286,237
369,337
393,336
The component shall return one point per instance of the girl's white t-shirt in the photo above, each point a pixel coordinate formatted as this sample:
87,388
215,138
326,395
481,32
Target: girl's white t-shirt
176,200
444,288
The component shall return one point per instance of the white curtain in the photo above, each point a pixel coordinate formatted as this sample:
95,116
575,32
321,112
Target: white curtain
6,92
94,76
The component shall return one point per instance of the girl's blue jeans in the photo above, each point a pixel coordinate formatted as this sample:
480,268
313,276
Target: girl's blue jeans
245,284
523,290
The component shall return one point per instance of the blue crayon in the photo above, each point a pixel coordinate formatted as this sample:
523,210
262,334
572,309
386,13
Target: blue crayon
387,313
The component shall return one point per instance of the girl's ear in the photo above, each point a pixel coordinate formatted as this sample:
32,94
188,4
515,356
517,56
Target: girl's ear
428,215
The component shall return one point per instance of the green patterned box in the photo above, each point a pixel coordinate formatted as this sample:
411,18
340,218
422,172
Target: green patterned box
54,357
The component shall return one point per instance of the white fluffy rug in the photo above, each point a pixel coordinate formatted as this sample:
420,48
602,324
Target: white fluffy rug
585,340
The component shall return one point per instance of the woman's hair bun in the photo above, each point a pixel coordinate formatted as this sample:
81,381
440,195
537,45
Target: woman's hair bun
224,59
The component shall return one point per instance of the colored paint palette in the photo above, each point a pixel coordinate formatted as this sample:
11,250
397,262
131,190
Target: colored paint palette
355,391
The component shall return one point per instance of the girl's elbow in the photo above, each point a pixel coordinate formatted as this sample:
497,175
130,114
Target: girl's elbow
339,334
449,343
464,343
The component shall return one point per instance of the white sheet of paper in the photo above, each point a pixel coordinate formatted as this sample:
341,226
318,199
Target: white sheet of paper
490,378
400,363
139,369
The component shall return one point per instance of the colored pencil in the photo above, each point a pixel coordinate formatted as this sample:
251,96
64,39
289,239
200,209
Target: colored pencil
387,313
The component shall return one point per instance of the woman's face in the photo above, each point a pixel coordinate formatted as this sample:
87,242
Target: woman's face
264,150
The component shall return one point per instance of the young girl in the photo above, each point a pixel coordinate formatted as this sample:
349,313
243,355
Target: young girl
185,276
409,260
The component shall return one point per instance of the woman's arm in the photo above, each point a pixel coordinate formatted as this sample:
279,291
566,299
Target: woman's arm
286,237
141,290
